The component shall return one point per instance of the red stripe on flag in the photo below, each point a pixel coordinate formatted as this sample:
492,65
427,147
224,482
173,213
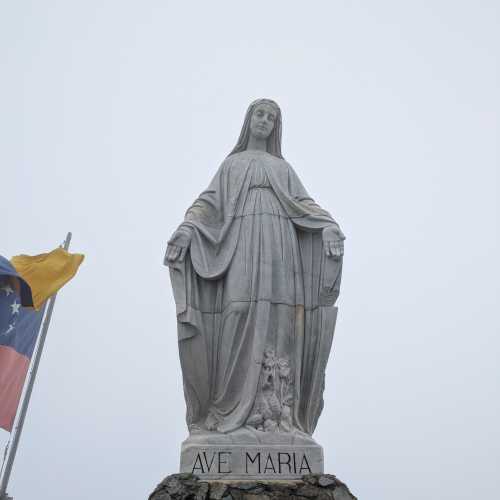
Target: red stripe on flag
13,370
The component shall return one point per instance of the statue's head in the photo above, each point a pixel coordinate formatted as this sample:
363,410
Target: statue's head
263,121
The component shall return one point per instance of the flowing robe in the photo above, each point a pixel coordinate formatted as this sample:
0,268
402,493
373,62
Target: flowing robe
256,284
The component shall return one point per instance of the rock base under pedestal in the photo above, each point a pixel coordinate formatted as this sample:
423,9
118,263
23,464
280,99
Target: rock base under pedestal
189,487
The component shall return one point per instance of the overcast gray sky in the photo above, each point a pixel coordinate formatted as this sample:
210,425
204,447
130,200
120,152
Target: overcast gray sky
116,114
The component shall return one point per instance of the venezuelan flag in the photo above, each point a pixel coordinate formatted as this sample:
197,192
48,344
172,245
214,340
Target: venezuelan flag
47,273
25,281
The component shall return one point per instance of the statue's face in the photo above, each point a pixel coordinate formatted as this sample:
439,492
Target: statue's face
262,121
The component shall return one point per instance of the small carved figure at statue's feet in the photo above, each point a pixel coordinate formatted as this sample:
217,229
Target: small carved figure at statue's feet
256,420
211,422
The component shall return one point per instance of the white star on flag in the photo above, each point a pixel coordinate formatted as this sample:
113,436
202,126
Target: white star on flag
7,289
15,307
11,327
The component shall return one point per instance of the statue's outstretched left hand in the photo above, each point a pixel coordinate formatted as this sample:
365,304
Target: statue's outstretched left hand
333,242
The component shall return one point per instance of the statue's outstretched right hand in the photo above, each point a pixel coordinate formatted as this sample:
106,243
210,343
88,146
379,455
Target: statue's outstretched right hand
178,245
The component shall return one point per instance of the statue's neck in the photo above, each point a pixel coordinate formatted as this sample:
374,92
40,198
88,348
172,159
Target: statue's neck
257,143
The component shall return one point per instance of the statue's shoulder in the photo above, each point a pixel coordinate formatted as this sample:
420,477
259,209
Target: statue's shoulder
289,169
234,158
232,163
285,164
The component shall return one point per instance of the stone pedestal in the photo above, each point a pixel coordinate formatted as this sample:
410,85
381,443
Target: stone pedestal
251,461
190,487
251,454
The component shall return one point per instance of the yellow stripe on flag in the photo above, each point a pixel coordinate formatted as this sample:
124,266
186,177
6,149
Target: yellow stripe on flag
47,273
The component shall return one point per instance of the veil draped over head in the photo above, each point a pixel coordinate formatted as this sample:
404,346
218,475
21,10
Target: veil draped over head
274,139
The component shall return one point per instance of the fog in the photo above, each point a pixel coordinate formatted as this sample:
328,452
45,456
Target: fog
115,116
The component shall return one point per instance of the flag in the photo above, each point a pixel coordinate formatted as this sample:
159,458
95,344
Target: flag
16,282
25,281
48,272
19,328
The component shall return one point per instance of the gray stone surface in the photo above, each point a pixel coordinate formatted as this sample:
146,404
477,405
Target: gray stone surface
251,461
190,487
255,269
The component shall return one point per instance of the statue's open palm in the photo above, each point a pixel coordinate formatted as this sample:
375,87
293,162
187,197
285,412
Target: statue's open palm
333,242
178,245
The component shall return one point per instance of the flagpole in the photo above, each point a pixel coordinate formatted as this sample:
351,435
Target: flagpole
23,407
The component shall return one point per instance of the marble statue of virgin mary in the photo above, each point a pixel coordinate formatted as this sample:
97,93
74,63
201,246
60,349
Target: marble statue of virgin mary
255,269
